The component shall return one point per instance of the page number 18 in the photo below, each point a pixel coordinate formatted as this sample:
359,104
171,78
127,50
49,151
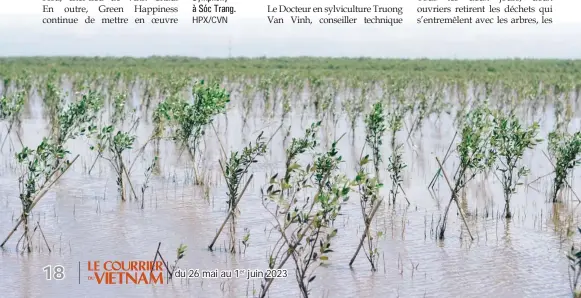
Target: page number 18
54,272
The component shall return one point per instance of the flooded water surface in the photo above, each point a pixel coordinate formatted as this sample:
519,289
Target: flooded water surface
84,221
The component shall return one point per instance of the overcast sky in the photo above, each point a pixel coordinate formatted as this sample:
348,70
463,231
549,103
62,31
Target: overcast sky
250,34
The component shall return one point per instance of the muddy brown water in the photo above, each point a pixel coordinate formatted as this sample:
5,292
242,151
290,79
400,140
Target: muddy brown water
84,220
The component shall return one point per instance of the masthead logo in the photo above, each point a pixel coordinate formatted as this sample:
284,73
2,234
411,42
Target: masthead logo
126,272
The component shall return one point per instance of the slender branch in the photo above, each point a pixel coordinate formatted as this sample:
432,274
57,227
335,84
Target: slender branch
230,213
566,182
40,194
367,227
455,198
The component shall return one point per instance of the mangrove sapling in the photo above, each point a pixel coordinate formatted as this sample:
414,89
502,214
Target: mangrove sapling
192,119
571,175
574,270
149,93
422,109
265,87
181,252
40,173
395,163
564,148
284,196
74,121
247,103
353,107
476,156
10,110
395,168
170,269
148,173
235,170
370,201
330,100
440,107
369,187
375,128
113,144
334,189
161,114
559,114
246,240
119,101
510,140
53,99
37,163
312,217
77,119
316,88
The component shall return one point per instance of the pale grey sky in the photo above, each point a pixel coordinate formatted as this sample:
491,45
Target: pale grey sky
23,35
